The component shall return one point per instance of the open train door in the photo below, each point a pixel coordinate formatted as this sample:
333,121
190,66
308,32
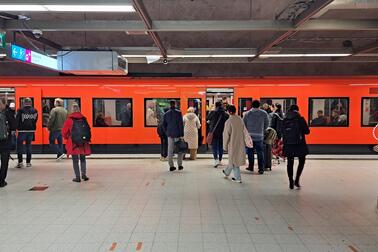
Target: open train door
36,96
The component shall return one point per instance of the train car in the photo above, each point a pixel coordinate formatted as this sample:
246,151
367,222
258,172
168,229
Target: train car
124,112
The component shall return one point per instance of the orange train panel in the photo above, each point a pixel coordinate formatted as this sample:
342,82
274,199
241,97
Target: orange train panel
87,88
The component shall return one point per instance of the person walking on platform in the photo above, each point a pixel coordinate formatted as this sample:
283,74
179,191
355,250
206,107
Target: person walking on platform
191,126
7,125
26,118
256,121
174,129
58,116
294,130
163,139
234,143
217,119
77,132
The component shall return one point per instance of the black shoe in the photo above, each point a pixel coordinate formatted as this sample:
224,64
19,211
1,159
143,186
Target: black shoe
296,183
181,167
261,172
291,185
3,184
249,169
84,177
172,168
77,180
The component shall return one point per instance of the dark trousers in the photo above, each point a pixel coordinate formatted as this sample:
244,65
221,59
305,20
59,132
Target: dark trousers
57,148
290,167
83,165
27,138
268,156
217,146
258,146
4,165
164,146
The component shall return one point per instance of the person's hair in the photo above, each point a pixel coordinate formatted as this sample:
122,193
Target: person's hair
27,101
58,102
278,106
320,112
294,107
75,107
232,109
218,104
190,110
256,104
172,103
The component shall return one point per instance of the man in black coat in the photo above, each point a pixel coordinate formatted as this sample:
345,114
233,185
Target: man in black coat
6,145
173,127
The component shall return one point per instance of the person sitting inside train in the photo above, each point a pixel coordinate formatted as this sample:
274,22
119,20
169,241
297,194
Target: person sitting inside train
334,120
100,120
321,120
126,116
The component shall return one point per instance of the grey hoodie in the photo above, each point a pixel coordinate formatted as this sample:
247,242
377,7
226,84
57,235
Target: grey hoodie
256,121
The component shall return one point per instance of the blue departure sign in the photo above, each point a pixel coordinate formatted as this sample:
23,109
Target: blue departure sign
29,56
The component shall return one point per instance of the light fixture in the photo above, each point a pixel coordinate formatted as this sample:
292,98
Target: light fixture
297,55
3,55
138,56
212,56
68,8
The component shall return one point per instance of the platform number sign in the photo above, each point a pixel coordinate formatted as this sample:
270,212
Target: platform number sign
2,40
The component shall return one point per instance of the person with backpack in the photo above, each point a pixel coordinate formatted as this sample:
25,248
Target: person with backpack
173,126
256,121
234,144
7,125
26,118
293,131
217,120
58,116
77,133
276,123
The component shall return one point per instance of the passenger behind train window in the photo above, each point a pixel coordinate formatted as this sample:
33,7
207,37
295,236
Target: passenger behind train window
112,112
154,109
48,105
326,112
370,111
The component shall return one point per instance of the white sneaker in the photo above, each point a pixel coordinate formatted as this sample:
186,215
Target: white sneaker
61,157
236,181
220,163
19,165
28,165
216,163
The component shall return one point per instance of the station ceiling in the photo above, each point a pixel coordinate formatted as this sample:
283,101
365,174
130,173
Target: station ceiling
209,38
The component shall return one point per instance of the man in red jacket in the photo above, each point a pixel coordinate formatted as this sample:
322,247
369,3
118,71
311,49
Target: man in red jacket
77,151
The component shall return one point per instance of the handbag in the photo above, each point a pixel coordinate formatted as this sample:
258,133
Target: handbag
181,146
210,136
247,138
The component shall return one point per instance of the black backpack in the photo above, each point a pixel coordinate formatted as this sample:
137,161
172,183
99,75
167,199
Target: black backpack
81,132
291,131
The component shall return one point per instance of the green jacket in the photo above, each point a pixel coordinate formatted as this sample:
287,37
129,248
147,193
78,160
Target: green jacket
58,116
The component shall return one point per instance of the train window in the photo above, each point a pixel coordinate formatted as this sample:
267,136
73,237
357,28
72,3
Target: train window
155,109
196,103
245,104
369,111
48,105
329,112
112,112
8,95
22,99
285,103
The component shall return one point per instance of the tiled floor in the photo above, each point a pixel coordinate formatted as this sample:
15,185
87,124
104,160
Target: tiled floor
137,205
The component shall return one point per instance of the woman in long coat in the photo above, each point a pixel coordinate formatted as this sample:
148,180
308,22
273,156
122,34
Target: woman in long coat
191,126
234,143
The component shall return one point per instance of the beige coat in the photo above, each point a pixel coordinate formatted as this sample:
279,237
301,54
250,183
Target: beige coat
233,140
191,126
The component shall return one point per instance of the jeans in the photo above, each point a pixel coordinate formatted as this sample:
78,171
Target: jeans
57,148
171,148
83,165
236,170
26,137
4,165
290,168
217,146
164,147
258,146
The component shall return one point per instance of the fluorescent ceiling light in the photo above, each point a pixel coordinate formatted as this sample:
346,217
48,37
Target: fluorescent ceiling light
212,56
3,55
139,56
296,55
68,8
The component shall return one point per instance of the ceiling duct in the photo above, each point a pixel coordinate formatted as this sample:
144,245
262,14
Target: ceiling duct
92,63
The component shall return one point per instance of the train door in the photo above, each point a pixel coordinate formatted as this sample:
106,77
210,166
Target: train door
196,103
36,96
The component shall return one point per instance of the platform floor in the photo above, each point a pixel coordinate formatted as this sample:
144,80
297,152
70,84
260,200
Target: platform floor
137,205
